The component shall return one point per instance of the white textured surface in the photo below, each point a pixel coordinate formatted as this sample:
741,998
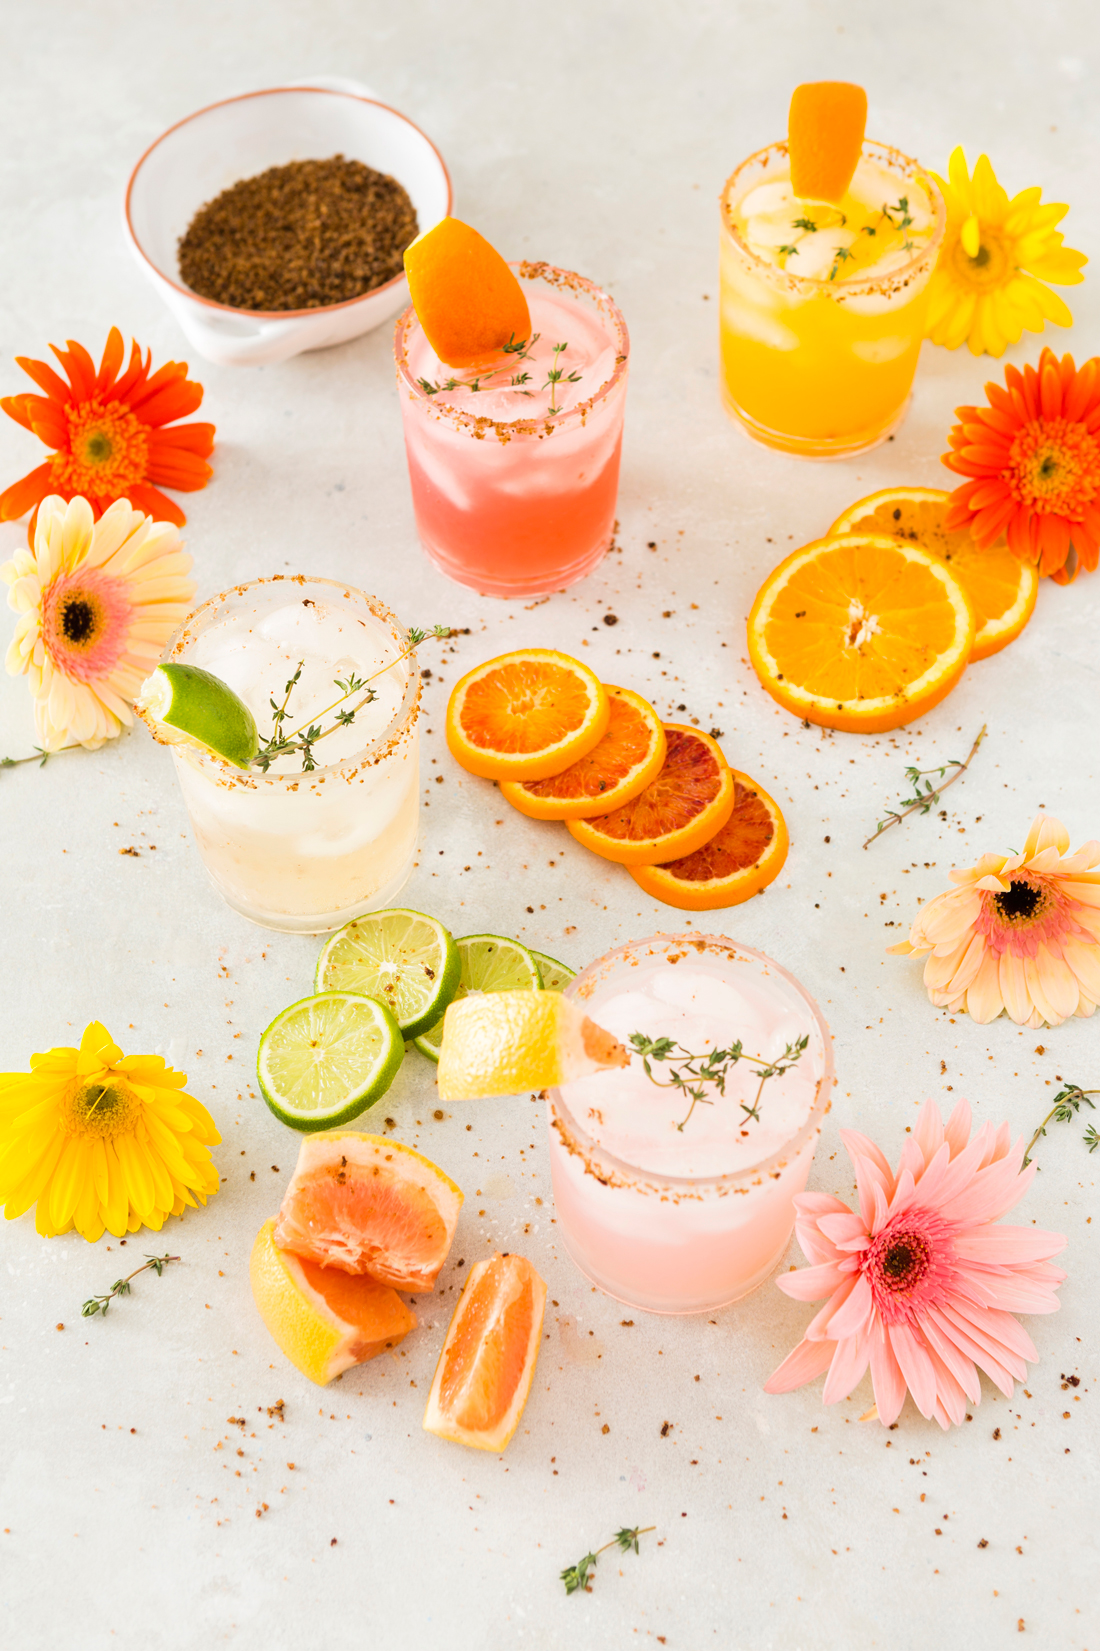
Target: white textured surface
596,135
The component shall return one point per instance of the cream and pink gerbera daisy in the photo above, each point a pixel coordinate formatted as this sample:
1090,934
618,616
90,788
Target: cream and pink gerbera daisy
1020,935
921,1283
97,600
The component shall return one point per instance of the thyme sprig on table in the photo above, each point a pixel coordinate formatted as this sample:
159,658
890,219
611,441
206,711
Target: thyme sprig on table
40,756
1067,1104
695,1071
302,739
121,1286
928,798
575,1576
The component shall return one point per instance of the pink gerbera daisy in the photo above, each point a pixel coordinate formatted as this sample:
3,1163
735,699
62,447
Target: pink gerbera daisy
1021,934
921,1284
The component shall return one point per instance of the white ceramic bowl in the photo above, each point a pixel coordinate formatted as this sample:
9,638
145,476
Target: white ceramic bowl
200,156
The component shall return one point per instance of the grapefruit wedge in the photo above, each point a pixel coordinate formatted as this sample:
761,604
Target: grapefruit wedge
488,1360
630,756
367,1204
691,798
323,1320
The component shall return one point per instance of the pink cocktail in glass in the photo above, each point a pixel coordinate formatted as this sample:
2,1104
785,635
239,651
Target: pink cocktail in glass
686,1219
515,467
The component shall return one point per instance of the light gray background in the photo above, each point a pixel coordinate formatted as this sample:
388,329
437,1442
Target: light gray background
597,135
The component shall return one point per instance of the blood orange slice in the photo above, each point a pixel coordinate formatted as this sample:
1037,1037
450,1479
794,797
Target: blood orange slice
484,1372
678,812
467,300
323,1319
526,715
742,858
630,755
367,1204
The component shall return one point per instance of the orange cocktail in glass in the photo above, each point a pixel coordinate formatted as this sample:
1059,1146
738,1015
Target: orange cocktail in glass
823,307
515,467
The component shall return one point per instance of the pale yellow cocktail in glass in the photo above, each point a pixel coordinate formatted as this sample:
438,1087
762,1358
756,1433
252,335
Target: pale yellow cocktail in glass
823,307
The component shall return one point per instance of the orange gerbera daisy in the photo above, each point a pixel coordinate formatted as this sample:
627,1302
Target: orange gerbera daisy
108,433
1033,456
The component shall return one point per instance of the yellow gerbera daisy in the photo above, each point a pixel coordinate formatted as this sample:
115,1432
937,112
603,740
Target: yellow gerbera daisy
101,1140
97,601
987,286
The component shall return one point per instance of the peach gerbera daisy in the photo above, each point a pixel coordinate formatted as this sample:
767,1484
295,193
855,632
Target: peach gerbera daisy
1033,456
109,433
997,255
1019,936
97,1139
97,602
921,1283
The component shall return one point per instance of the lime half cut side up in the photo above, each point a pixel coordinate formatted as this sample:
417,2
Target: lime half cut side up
555,976
327,1058
402,959
490,963
184,703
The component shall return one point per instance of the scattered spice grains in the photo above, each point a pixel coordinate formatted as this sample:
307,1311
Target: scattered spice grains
298,237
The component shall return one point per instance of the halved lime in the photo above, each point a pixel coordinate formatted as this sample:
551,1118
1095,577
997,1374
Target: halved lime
555,976
327,1058
187,703
400,958
490,963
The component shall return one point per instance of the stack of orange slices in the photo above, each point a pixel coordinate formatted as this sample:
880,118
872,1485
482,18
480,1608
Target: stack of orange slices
658,798
871,626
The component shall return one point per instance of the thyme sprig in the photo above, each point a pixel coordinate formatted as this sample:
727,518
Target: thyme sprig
928,798
575,1576
121,1286
303,738
695,1071
1067,1104
40,756
557,375
520,348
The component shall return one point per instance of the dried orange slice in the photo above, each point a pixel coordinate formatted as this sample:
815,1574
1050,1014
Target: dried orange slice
367,1204
526,715
323,1319
862,632
1001,588
825,128
630,755
467,300
677,812
742,858
484,1372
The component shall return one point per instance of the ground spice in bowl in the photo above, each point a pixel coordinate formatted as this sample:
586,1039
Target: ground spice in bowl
298,237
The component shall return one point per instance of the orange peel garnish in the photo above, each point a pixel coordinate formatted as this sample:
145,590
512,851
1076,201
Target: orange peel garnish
467,300
825,130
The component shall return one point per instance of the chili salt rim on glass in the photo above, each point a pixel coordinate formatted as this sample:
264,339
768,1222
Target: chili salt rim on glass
852,286
612,1170
220,772
526,270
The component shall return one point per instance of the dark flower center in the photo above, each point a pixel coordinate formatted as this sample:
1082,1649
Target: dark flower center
98,447
77,620
105,1107
904,1262
981,258
1018,902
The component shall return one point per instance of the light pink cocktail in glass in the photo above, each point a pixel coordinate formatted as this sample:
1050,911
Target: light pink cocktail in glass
685,1220
515,469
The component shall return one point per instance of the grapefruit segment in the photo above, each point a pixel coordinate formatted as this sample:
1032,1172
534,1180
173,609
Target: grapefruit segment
630,755
467,300
1001,588
678,812
488,1360
860,632
526,715
367,1204
825,127
324,1320
743,857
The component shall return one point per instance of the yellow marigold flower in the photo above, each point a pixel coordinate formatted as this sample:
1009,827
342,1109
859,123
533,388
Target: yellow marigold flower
987,287
101,1140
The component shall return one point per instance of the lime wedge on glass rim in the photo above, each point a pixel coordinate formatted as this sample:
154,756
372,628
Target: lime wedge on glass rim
555,976
187,703
490,963
404,959
327,1058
